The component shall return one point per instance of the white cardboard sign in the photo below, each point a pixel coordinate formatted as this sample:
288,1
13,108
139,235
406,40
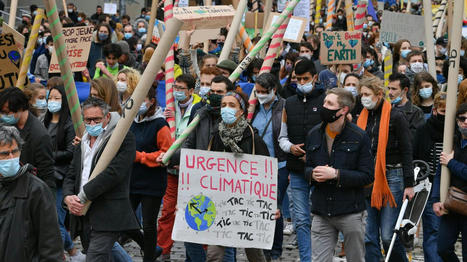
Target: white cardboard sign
396,26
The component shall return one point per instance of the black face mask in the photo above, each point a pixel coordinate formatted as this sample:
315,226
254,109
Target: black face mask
215,100
328,115
439,117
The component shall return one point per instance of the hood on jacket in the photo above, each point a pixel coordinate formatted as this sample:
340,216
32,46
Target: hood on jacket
158,114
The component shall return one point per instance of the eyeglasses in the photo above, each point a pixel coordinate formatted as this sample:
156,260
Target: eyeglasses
180,87
6,154
96,120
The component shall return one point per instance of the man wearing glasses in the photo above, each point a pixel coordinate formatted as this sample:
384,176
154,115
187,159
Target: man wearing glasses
111,212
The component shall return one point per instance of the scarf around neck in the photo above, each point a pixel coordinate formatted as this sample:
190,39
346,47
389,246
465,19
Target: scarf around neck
231,135
381,193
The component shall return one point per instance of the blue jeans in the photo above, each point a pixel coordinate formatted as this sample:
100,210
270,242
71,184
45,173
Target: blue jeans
301,209
195,252
61,214
384,220
430,233
449,228
119,254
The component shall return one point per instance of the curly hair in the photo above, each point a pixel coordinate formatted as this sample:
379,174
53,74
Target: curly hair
132,79
417,85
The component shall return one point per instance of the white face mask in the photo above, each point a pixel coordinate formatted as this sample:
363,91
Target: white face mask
417,67
121,86
306,88
204,90
308,56
368,103
265,98
342,77
51,49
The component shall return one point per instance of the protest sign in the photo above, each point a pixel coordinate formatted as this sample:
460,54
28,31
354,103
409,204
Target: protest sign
303,10
295,28
110,8
10,60
226,199
254,20
183,3
78,43
204,17
341,47
19,38
396,26
199,36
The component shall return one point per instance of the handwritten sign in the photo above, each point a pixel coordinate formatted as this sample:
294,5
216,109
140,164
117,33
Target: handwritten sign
303,10
19,38
341,47
10,60
397,26
78,43
110,8
226,199
204,17
295,28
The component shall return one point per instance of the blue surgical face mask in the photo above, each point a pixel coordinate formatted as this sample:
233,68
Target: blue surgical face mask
352,89
142,30
9,167
368,62
179,95
128,35
103,36
460,78
228,115
405,52
306,88
54,106
253,77
203,91
142,109
396,101
147,17
80,19
9,119
426,92
462,52
94,130
40,104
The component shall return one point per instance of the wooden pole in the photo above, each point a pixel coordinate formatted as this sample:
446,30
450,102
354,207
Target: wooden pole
330,16
319,5
65,8
243,35
439,14
12,18
229,40
449,18
169,71
451,100
430,51
131,108
409,5
152,21
267,11
349,15
30,48
65,68
360,15
441,24
206,43
387,67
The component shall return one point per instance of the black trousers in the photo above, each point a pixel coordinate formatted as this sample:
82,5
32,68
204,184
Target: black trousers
150,206
100,246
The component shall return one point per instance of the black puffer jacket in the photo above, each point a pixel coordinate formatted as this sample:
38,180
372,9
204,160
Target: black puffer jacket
28,220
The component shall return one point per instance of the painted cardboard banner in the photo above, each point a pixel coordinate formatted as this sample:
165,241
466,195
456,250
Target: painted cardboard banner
226,199
110,8
397,26
295,28
204,17
78,43
10,60
341,47
199,36
19,38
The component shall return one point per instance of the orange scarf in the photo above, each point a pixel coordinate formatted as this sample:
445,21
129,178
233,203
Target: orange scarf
381,193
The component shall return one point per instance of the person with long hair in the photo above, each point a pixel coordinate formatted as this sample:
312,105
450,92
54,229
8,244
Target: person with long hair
36,94
425,89
57,121
126,82
104,88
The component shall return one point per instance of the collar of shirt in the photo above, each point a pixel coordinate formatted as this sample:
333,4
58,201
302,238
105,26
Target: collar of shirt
463,143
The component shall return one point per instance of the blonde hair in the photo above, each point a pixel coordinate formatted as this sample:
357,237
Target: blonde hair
374,84
440,100
106,90
132,79
32,89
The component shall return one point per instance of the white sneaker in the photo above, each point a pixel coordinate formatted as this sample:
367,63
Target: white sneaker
78,257
288,229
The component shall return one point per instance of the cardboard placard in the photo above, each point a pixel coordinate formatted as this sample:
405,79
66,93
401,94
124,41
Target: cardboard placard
19,38
78,43
199,36
397,26
10,61
204,17
250,18
226,199
341,47
295,28
110,8
303,10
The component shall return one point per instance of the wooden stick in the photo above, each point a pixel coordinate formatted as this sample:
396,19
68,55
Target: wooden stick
131,108
65,8
169,71
30,48
409,5
65,67
442,22
387,67
451,100
360,15
430,51
331,7
206,43
267,11
152,21
12,18
229,40
449,18
319,5
439,14
349,15
243,35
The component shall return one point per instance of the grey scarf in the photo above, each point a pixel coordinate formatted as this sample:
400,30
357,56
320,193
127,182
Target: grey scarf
231,135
